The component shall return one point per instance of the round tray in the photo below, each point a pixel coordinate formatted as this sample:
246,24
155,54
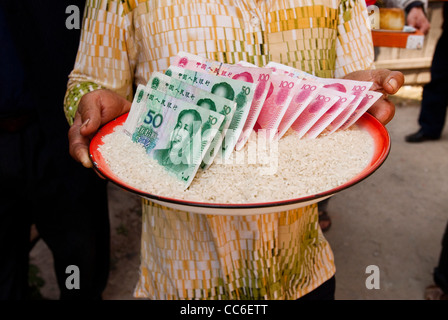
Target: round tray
367,122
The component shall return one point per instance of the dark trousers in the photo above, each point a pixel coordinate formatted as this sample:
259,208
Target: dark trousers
42,184
441,271
323,205
435,93
325,291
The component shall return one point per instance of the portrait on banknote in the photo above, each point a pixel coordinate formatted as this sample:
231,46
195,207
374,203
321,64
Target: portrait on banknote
175,156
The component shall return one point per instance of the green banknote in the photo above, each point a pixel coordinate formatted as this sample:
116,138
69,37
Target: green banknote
187,92
138,107
171,130
236,90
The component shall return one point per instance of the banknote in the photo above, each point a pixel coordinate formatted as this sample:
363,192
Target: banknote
187,92
323,101
238,91
344,99
262,78
138,107
171,131
369,99
289,71
279,98
195,62
306,91
357,88
243,71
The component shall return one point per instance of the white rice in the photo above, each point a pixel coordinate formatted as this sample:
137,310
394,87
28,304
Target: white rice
298,168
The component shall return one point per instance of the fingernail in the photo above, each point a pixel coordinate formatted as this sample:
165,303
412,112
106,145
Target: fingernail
84,123
393,83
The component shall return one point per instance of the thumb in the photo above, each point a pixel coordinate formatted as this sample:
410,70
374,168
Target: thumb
389,81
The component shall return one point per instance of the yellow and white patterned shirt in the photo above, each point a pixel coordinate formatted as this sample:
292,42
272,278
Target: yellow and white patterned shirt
194,256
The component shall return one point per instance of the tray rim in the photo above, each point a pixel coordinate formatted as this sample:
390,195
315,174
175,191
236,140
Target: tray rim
243,208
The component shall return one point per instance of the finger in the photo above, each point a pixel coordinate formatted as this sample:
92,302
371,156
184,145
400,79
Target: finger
425,28
421,25
90,111
383,110
78,143
390,81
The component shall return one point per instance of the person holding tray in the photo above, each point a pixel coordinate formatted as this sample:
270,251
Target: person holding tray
196,256
415,12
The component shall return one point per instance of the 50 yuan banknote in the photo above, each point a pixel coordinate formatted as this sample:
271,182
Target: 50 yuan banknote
172,132
187,92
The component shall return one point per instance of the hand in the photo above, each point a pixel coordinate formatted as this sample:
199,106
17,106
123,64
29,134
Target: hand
385,81
95,109
417,19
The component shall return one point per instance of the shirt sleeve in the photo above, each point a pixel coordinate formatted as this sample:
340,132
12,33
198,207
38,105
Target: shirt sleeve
106,55
354,45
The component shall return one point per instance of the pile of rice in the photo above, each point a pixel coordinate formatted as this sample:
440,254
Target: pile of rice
291,169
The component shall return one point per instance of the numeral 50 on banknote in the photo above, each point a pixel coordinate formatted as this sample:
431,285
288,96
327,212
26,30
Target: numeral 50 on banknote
156,120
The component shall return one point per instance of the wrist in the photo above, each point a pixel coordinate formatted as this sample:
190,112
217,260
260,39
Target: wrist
73,97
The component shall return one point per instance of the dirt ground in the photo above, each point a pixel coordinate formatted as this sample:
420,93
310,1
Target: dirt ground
393,220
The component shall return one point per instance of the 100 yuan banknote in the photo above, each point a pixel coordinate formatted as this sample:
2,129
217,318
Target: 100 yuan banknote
304,94
187,92
238,91
369,99
243,71
307,91
172,130
279,98
357,88
289,71
344,100
324,100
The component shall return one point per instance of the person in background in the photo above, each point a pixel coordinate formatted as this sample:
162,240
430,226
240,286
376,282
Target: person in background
40,183
432,120
185,255
415,13
435,94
